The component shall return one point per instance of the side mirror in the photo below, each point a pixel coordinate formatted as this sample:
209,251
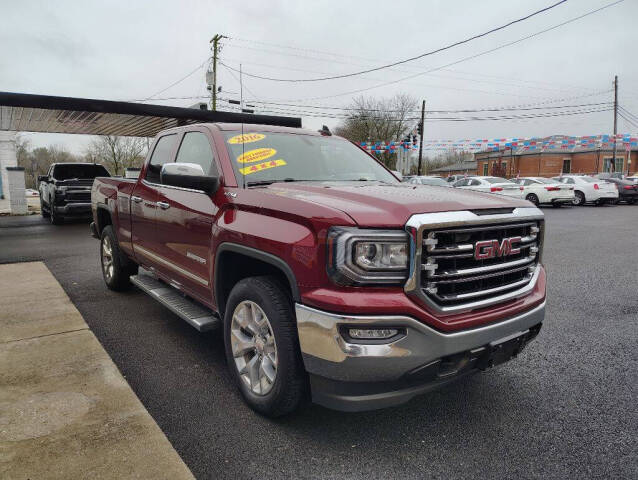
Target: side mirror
42,178
188,175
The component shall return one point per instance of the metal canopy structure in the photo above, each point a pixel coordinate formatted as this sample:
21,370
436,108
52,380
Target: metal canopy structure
23,112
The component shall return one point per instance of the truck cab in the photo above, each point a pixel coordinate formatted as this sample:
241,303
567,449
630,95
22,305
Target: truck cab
328,278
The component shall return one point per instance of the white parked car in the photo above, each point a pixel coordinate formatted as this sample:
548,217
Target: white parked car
29,192
426,180
588,189
633,179
498,185
540,190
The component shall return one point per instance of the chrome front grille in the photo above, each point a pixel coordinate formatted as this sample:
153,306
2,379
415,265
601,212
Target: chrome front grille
452,275
463,266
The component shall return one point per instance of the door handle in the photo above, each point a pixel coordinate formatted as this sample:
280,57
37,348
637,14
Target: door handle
136,199
163,205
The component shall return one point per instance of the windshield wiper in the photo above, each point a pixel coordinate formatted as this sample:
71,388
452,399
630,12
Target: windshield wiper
257,183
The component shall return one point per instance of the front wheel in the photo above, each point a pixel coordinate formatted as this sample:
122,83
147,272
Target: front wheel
54,217
43,212
116,267
262,347
532,198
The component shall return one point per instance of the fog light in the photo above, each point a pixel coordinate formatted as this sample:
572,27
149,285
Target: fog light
372,333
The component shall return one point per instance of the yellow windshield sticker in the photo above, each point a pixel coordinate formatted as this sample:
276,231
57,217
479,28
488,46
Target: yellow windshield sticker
256,155
262,166
246,138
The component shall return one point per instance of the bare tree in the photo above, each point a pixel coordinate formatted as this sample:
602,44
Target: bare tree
386,119
117,153
37,161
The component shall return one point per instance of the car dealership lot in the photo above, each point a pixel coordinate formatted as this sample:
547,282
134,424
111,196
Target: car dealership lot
568,409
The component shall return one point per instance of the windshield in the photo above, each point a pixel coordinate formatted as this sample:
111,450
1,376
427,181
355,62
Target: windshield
545,180
67,172
270,157
496,180
434,181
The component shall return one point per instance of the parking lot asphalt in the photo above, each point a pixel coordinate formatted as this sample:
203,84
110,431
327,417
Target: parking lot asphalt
567,407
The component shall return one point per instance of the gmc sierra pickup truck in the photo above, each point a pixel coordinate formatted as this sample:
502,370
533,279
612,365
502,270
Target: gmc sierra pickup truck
329,278
65,191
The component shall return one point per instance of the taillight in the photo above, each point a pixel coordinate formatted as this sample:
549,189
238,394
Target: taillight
628,187
552,189
521,188
497,189
596,186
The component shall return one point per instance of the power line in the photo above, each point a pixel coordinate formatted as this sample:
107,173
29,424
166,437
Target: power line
411,59
471,57
631,122
627,112
178,81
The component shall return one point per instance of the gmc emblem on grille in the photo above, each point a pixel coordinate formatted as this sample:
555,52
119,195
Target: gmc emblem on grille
487,249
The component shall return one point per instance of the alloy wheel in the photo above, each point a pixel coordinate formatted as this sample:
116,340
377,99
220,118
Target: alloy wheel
107,258
579,199
253,347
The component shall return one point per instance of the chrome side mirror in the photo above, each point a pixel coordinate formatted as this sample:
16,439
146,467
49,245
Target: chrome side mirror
188,175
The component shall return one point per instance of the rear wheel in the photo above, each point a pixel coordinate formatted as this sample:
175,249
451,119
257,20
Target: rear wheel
579,198
116,267
532,198
262,347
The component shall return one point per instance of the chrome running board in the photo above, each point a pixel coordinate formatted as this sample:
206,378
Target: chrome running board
187,309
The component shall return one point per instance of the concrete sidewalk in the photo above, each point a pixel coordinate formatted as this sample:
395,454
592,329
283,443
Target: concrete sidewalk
65,410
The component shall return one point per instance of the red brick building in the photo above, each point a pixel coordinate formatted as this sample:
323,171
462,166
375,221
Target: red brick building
550,163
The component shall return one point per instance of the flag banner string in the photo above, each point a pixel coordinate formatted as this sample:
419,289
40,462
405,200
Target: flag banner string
549,143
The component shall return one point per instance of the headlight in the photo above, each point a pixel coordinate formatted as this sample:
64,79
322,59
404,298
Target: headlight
359,257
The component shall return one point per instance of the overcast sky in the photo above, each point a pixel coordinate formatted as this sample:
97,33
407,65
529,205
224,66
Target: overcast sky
129,50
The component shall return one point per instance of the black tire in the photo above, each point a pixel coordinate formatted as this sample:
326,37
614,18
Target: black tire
117,277
288,390
631,201
43,211
557,204
579,198
532,197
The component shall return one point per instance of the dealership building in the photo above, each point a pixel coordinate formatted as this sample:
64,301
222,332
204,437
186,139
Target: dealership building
552,162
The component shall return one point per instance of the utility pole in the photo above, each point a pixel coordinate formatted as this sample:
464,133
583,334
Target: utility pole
215,41
421,128
615,119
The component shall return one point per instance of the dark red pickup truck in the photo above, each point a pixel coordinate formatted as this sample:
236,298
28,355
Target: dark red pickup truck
329,278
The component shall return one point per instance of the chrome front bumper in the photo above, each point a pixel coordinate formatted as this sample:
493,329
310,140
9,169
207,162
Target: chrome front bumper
329,357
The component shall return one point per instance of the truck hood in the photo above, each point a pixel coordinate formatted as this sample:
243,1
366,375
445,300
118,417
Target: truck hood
389,205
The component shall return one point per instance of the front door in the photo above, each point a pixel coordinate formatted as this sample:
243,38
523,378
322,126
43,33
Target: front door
184,222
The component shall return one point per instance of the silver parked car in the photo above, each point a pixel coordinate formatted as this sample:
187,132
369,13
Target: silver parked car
428,180
497,185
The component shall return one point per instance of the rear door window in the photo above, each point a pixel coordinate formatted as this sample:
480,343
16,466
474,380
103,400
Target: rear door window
195,148
161,155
